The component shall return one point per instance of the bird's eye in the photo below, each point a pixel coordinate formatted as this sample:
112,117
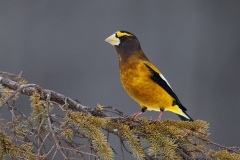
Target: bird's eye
124,37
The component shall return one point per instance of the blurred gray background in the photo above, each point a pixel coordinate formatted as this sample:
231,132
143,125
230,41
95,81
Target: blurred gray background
196,44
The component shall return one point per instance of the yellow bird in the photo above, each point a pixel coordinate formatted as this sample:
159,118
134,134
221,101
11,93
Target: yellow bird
142,80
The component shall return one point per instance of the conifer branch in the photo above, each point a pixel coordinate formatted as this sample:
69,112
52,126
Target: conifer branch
45,134
7,80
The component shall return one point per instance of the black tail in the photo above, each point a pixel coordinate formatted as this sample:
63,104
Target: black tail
184,118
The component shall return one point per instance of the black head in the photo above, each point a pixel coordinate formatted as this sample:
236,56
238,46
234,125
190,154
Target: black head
124,41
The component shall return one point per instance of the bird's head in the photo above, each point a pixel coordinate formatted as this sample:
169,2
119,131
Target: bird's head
124,41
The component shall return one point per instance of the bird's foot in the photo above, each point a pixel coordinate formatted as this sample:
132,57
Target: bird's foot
135,115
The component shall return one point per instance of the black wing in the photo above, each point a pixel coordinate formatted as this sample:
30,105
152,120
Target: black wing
161,82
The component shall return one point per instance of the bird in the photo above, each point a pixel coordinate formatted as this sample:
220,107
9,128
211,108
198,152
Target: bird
142,80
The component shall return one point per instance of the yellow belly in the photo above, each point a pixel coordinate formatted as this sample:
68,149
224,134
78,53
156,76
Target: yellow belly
135,78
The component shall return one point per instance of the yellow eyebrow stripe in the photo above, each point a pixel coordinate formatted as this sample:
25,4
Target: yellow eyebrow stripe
120,34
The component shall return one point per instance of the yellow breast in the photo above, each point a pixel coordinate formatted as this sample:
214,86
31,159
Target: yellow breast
135,78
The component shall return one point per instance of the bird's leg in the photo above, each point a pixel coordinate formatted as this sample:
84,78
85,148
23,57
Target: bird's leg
133,116
160,114
136,114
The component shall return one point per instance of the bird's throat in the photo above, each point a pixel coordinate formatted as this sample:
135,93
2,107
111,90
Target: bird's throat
124,55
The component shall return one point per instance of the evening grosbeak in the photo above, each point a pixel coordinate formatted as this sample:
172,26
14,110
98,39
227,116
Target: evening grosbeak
142,80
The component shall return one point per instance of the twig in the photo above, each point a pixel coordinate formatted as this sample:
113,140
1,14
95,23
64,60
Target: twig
20,89
77,151
221,146
42,144
121,147
51,128
118,112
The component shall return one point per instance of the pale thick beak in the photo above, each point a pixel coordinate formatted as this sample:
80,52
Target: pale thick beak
113,40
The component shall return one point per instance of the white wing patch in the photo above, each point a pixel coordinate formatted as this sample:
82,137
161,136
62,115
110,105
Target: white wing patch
165,80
